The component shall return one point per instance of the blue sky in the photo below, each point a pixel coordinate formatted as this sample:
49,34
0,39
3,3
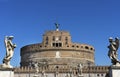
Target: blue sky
88,21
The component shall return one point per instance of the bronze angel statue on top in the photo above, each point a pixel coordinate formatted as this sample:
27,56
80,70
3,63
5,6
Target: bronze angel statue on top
113,50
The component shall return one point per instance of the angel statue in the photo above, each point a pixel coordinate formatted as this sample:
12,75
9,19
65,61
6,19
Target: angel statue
79,69
57,26
9,51
113,47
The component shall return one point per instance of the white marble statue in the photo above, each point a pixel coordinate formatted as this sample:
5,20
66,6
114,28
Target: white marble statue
112,53
57,54
80,69
9,51
43,74
36,67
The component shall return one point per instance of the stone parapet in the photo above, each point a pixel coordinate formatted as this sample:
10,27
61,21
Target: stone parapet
65,69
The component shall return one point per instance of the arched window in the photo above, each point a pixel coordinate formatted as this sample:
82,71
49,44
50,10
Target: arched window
66,40
47,40
86,47
53,38
58,44
91,48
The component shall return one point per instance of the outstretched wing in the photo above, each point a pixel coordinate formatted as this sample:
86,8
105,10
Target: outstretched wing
117,41
6,44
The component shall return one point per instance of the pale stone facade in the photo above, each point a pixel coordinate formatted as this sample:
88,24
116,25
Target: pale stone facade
57,49
58,56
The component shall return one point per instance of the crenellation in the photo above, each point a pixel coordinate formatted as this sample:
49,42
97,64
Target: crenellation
92,69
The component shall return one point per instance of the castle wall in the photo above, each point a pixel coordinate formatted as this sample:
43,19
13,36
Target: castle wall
88,71
57,48
34,53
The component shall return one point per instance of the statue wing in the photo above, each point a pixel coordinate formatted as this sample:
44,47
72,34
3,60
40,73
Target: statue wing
6,45
117,41
5,41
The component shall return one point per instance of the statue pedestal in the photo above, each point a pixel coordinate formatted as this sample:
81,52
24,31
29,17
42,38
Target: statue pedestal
114,71
6,73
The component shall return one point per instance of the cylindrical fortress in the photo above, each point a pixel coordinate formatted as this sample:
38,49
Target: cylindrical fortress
57,49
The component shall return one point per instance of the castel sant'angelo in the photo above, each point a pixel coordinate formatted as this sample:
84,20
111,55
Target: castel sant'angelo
57,49
58,56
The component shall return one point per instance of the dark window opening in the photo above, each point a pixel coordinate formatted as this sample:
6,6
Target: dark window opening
46,38
97,74
53,38
66,40
72,45
57,44
86,47
77,46
60,44
91,48
53,44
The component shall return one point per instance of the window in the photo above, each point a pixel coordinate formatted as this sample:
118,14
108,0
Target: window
46,40
97,74
53,44
73,46
57,44
91,48
86,47
60,44
53,38
66,40
77,46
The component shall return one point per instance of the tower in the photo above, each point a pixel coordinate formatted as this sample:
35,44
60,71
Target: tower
57,48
